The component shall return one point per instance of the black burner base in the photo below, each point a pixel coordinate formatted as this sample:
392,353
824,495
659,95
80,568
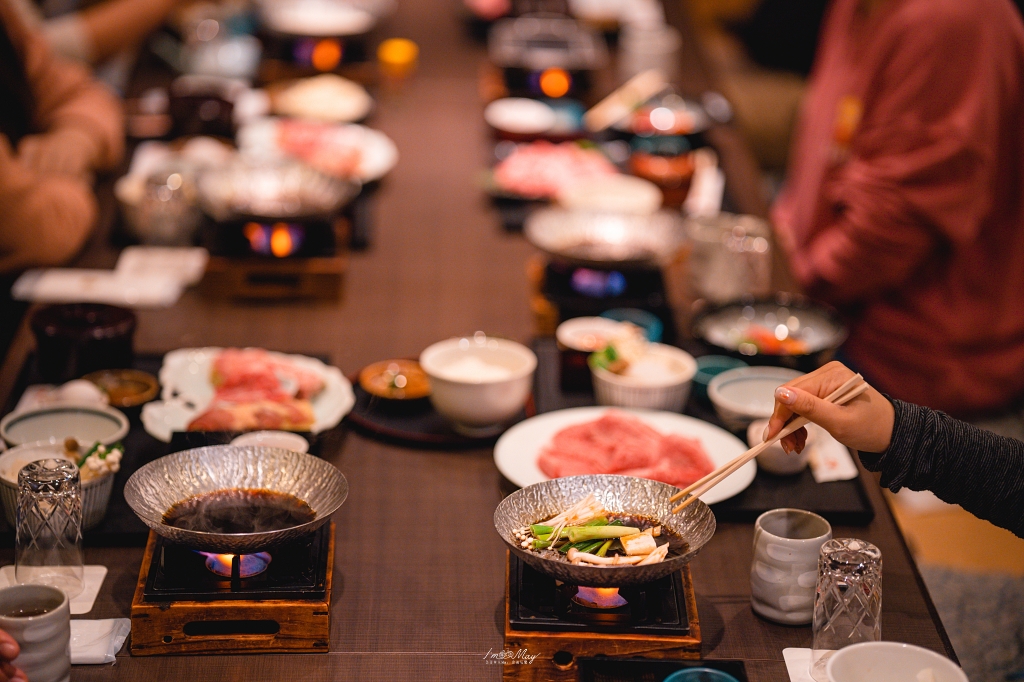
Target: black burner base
540,603
297,570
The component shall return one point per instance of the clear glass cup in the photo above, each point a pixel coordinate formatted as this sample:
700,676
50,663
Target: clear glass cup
847,600
48,541
731,257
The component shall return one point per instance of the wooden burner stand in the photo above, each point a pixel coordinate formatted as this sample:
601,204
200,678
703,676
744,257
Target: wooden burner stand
260,277
557,651
230,626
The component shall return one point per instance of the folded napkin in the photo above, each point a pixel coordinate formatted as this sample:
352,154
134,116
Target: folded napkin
798,662
73,285
98,641
830,459
93,578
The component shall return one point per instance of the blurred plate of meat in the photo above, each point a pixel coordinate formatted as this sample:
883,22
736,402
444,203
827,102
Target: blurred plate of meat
246,389
343,150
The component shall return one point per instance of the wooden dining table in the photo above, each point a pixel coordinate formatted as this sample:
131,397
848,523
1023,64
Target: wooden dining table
419,578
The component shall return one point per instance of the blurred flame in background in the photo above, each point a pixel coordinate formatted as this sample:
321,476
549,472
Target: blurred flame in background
280,239
554,82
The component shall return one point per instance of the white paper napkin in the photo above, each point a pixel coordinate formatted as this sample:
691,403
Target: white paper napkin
97,641
184,264
798,662
704,200
830,460
93,576
78,285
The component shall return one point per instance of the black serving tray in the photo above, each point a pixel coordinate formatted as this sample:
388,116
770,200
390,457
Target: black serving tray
413,422
844,503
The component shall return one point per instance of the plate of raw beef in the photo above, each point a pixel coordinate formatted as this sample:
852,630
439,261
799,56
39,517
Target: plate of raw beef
246,389
663,446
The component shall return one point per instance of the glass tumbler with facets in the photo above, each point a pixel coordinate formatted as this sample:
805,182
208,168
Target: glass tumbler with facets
847,600
48,541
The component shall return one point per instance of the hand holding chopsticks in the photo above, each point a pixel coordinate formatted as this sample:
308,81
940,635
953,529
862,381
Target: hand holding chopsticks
852,388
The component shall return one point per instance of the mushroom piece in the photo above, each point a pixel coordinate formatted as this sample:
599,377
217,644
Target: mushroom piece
575,556
656,556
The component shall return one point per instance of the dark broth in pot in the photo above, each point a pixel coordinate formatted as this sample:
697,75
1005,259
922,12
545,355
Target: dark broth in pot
239,510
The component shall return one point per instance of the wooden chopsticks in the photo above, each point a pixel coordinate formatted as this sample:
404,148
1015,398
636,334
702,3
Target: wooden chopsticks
852,388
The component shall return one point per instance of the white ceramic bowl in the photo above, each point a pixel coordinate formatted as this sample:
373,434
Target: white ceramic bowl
85,423
668,391
747,393
95,493
890,662
479,383
774,459
587,334
285,440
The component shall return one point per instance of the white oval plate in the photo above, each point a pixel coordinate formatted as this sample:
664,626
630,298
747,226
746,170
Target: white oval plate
378,153
185,381
517,450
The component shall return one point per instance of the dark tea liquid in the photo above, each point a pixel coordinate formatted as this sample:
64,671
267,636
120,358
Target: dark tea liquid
239,510
25,612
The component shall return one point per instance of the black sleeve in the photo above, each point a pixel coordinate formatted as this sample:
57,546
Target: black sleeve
960,463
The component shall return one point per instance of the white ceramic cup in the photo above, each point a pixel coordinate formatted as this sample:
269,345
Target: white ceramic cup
784,571
774,459
891,662
45,638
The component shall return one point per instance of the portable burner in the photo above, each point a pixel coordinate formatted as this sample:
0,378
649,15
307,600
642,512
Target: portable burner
191,602
561,623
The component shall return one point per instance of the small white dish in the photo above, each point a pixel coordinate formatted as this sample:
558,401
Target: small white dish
274,439
891,662
520,115
85,423
587,334
660,380
478,405
747,393
317,18
774,459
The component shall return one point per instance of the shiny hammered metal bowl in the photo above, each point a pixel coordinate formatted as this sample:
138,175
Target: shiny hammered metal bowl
157,486
624,494
604,239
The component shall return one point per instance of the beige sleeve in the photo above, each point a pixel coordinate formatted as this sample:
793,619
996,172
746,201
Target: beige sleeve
68,37
46,219
65,94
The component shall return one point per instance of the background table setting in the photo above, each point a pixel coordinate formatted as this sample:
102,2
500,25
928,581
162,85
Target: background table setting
412,580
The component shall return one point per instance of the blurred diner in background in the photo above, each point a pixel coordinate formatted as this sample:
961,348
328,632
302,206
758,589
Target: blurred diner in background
59,128
669,326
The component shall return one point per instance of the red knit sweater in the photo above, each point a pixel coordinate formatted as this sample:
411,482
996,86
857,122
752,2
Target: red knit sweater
904,203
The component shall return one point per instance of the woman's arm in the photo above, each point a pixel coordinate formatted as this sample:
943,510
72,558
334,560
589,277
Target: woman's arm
960,463
912,446
116,25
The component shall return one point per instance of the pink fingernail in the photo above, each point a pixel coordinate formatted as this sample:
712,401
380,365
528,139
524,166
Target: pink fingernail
785,395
